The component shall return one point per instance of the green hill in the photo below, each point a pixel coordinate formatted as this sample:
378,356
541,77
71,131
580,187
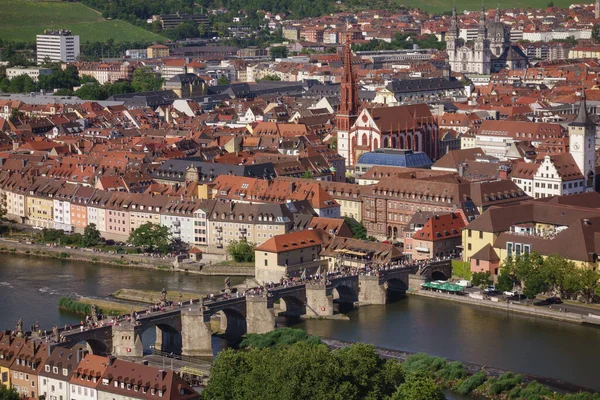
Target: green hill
21,20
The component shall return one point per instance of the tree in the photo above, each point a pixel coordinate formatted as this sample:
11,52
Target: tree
145,80
278,52
223,80
152,237
301,371
596,33
92,91
242,251
8,393
270,77
307,175
418,387
481,279
91,236
88,79
551,4
505,282
358,229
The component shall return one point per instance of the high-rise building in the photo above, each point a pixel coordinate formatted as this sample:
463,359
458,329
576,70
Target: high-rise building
56,46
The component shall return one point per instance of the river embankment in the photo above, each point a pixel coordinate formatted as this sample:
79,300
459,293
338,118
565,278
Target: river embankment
513,307
11,246
471,368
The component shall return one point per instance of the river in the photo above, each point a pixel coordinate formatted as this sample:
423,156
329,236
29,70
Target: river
30,288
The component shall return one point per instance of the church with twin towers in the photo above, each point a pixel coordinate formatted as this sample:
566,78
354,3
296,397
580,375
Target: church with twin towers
491,51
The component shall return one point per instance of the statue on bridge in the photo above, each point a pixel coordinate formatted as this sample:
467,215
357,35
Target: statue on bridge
94,314
133,318
163,298
19,328
55,334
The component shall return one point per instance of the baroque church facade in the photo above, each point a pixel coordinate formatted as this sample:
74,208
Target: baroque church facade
491,51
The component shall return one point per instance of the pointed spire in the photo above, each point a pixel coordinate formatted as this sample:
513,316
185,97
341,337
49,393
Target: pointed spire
583,118
482,30
453,31
497,16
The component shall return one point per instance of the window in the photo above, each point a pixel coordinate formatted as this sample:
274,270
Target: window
509,249
469,246
480,235
469,233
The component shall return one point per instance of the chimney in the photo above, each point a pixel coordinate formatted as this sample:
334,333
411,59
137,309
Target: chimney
111,360
461,170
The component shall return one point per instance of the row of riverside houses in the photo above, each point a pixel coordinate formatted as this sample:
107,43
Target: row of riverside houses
42,202
71,374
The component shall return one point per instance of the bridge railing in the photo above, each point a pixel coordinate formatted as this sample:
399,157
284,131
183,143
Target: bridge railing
268,289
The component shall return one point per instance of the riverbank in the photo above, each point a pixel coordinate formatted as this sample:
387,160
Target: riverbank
11,246
152,297
471,368
537,312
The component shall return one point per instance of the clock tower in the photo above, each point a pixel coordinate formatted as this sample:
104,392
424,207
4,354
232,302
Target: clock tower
582,144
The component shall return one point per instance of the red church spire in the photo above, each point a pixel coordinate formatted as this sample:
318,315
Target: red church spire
349,92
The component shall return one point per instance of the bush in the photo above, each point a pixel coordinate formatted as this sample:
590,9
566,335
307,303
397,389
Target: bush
533,391
461,269
504,383
74,306
278,337
451,372
582,396
471,383
422,362
64,255
241,251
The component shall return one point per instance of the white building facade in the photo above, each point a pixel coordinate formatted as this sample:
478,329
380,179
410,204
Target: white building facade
57,46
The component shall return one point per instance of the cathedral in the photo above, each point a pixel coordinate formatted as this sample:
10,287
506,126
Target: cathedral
408,127
490,52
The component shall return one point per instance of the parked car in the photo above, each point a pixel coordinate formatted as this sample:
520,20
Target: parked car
553,300
464,283
510,293
490,289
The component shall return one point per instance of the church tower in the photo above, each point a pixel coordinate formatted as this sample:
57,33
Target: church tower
348,112
452,42
582,143
482,53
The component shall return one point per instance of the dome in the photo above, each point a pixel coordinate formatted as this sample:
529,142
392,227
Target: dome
497,31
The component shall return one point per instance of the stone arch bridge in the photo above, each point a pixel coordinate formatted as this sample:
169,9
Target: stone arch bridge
187,329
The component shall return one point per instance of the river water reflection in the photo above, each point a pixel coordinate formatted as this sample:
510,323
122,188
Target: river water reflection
30,288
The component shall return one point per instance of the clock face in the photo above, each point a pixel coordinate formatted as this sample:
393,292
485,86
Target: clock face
576,146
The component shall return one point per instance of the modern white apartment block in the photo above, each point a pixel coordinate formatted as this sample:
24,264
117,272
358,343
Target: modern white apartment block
34,73
57,45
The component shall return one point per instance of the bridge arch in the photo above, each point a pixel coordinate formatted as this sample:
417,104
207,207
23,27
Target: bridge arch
396,285
94,346
166,334
292,306
345,294
233,323
438,275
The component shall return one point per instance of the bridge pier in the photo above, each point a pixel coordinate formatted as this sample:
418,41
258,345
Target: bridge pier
415,281
126,341
196,335
370,291
259,317
318,301
158,343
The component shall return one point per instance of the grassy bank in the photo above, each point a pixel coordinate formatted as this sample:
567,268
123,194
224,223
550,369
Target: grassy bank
21,20
83,306
152,297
